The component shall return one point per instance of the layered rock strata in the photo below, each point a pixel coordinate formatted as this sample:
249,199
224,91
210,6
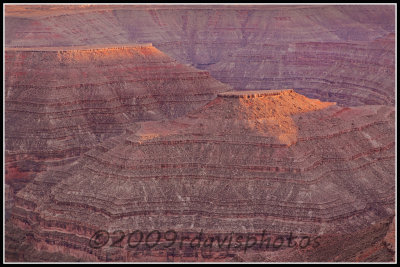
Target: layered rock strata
59,102
274,162
344,54
365,245
349,73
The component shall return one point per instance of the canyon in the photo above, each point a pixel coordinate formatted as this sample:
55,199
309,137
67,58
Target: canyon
260,121
339,53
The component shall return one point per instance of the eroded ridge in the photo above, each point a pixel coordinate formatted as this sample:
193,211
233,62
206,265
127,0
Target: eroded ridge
334,53
222,169
255,94
80,48
60,101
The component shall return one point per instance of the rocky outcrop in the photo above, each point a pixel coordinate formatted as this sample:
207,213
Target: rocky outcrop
344,54
274,162
60,102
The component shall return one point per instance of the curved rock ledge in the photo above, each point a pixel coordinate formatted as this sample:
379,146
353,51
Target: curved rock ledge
61,101
339,53
191,174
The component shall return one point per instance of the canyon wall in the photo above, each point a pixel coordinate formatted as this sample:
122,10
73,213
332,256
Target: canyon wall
104,132
59,102
337,53
273,161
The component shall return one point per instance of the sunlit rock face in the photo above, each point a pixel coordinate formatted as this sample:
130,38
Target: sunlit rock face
343,54
59,102
273,161
103,134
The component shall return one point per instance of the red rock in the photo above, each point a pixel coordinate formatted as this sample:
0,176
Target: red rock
344,54
59,102
277,162
111,136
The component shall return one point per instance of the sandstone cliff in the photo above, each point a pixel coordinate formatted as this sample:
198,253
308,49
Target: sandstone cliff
61,101
335,53
272,161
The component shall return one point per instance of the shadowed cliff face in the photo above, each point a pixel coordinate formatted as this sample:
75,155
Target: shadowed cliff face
343,54
59,102
216,170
